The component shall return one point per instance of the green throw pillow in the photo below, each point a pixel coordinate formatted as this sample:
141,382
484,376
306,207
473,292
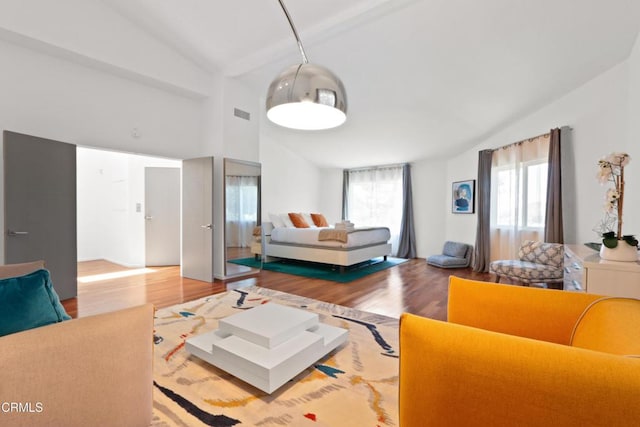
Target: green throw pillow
29,301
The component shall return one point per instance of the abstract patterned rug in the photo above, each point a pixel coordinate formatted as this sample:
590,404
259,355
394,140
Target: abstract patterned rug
355,385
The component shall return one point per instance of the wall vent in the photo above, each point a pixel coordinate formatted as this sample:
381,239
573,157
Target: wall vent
242,114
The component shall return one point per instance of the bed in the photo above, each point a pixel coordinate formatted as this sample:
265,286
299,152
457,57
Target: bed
324,245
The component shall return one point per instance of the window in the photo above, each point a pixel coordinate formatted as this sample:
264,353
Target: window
521,201
518,195
375,197
535,180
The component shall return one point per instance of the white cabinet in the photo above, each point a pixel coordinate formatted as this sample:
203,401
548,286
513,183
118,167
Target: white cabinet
619,279
611,278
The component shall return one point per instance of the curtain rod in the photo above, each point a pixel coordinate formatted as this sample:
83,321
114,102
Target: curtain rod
364,168
530,138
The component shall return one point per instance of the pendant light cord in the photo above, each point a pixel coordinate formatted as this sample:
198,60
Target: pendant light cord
295,33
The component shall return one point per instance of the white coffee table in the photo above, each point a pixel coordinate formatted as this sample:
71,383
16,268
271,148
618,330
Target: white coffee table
267,345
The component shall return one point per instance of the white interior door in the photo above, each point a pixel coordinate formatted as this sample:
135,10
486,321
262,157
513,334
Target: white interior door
197,218
162,216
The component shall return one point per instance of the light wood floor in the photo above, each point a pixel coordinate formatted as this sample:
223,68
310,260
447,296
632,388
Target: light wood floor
413,287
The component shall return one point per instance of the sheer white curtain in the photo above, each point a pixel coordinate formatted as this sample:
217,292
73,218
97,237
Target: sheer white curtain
375,199
518,195
241,209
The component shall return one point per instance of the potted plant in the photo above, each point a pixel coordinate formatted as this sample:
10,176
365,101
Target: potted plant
615,245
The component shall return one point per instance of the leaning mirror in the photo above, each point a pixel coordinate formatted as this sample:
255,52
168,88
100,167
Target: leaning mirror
242,217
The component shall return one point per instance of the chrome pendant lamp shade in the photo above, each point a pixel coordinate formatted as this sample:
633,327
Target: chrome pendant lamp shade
306,96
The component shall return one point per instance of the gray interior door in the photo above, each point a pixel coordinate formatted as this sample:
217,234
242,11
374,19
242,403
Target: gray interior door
162,216
40,206
197,218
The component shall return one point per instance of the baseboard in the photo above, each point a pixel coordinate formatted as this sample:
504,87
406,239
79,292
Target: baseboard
124,264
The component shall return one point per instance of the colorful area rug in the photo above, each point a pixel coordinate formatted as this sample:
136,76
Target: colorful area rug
323,271
355,385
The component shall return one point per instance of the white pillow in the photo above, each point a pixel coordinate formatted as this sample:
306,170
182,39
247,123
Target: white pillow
276,220
308,220
286,220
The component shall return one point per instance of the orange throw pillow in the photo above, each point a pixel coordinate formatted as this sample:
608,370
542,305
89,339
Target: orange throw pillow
319,220
297,220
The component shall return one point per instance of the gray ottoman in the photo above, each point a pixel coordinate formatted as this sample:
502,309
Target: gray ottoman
454,255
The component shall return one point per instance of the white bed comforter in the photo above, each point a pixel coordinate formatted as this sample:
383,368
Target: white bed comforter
309,236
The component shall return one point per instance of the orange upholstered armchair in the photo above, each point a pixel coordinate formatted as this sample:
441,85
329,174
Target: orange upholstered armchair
516,356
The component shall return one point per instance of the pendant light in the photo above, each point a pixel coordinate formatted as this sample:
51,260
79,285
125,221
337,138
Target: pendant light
306,96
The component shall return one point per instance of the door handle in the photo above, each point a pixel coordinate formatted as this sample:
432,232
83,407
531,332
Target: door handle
207,226
148,217
17,233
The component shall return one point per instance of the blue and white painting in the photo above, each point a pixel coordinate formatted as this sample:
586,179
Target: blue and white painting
463,196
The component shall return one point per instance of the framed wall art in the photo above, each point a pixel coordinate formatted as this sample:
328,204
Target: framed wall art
463,197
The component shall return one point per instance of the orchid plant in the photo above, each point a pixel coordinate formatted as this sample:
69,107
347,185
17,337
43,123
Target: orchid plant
611,170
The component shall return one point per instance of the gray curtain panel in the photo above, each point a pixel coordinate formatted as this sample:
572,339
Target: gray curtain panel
482,250
345,194
407,241
553,231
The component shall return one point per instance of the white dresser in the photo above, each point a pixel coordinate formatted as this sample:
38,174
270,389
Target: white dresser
584,269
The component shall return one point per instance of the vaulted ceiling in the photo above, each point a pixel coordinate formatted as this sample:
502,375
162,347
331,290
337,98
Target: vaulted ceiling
425,78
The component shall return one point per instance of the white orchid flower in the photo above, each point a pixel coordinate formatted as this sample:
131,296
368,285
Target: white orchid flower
611,169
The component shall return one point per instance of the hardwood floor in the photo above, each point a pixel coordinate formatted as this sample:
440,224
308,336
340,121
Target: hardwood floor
104,286
413,287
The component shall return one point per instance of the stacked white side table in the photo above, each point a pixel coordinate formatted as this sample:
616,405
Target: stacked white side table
268,345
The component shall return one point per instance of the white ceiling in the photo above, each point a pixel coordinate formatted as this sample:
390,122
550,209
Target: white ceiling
425,78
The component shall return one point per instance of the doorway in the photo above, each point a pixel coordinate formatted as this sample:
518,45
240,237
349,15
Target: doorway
111,205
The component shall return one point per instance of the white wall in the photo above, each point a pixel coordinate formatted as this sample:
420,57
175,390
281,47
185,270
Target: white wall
57,99
330,194
213,145
110,185
631,217
598,114
289,182
240,136
97,172
227,136
102,38
430,190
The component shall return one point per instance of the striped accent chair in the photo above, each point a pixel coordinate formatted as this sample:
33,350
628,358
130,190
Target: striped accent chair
537,262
